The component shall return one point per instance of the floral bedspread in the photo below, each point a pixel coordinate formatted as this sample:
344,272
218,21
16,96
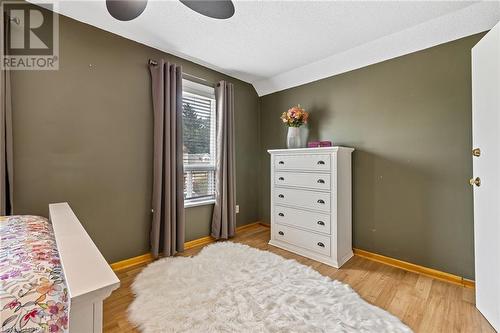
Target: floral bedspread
33,295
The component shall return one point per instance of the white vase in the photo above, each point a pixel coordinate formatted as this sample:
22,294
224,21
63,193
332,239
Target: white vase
297,137
304,134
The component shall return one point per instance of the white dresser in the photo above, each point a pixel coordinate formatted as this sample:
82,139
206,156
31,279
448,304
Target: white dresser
311,203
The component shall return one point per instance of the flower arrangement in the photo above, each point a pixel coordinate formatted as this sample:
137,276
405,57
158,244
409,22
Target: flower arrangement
295,116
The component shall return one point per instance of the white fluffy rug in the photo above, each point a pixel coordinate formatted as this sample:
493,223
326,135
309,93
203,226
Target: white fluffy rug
230,287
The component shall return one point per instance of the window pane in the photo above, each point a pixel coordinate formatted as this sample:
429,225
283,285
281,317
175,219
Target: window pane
199,184
199,145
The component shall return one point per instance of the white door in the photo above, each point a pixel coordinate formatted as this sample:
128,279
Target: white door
486,178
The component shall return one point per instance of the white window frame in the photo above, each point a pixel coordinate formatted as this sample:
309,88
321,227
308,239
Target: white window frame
209,92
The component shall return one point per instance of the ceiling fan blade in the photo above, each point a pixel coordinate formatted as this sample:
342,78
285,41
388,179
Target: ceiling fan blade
219,9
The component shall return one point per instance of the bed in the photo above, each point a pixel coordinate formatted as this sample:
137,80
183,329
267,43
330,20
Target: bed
52,276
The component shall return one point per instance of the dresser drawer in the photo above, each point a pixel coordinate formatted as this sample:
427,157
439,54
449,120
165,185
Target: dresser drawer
302,198
301,218
320,181
310,162
304,239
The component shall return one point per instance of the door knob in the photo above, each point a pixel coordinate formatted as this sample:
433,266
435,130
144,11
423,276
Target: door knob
475,181
476,152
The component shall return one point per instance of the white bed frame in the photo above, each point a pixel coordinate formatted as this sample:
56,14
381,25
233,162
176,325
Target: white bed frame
89,278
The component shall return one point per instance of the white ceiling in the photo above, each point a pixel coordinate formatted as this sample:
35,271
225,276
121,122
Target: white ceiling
276,45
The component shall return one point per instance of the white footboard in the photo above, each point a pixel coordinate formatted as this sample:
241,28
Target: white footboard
88,276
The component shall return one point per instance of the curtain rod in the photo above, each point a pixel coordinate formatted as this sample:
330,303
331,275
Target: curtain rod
196,78
152,62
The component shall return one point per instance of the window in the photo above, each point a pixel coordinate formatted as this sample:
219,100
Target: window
198,112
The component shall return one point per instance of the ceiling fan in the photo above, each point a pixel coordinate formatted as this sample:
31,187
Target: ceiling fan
126,10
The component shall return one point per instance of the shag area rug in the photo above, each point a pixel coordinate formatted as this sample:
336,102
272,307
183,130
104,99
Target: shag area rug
230,287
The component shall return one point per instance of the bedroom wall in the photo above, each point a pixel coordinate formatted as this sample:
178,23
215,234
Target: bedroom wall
84,134
409,119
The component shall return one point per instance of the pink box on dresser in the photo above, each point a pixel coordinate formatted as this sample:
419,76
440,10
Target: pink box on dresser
317,144
325,144
313,144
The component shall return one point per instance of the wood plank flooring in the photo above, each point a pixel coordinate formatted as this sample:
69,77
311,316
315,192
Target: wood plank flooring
424,304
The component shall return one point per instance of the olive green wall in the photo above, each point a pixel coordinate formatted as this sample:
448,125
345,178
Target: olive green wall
83,134
409,120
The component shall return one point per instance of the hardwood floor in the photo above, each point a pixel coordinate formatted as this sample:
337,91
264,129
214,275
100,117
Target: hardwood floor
424,304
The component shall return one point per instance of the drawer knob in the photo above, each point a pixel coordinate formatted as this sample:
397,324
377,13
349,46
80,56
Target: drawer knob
281,162
281,196
281,178
281,214
320,201
321,223
321,163
321,181
321,244
282,233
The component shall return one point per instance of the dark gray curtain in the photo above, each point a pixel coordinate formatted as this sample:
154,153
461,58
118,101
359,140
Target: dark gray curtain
167,230
224,215
6,160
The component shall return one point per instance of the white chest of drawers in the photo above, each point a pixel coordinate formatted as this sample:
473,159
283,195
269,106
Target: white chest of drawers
311,208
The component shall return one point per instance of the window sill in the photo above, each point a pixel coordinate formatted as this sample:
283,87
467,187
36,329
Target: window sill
189,204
